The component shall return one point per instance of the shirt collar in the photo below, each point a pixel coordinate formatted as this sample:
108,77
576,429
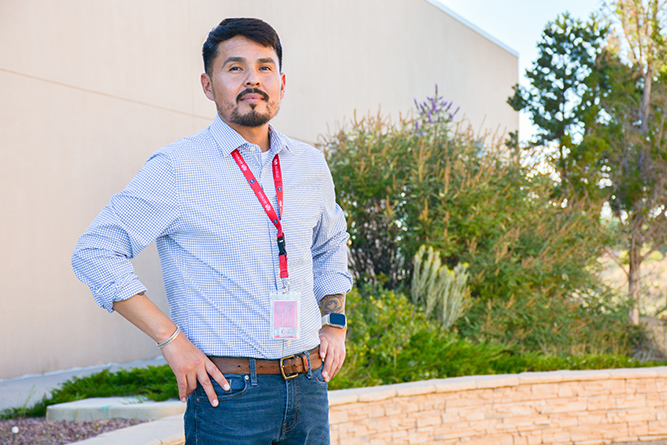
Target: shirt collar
229,140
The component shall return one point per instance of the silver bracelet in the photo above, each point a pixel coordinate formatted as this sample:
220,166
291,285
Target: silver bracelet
170,339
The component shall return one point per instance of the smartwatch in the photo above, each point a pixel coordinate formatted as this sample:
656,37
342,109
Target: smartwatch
335,320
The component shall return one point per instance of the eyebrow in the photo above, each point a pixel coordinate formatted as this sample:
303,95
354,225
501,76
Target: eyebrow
243,59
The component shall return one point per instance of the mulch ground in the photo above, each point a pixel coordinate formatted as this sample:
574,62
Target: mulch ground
39,431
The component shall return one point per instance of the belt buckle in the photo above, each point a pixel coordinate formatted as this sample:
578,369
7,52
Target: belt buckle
282,368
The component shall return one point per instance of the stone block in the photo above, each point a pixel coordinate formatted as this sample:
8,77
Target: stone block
497,381
530,378
420,437
101,408
642,386
360,413
430,402
428,419
495,439
376,393
616,386
568,389
644,415
657,427
565,406
455,384
544,390
343,396
556,436
414,388
595,403
584,376
337,416
632,401
638,428
655,400
533,438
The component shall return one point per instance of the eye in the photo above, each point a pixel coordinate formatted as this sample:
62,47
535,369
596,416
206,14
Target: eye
234,68
266,68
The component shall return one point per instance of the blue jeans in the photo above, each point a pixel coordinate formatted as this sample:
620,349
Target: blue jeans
262,410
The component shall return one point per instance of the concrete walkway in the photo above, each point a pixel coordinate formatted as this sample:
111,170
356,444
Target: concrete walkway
166,431
24,391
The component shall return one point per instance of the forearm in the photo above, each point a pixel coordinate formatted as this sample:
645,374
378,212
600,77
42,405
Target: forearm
189,364
334,303
145,315
332,339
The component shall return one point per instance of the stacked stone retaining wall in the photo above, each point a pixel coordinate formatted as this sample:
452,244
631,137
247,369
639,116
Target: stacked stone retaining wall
561,407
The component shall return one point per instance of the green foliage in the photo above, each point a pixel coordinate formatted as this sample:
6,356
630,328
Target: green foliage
601,98
553,326
558,95
154,383
560,99
442,292
426,181
391,341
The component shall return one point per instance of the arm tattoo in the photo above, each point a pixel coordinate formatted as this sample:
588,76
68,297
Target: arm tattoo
333,303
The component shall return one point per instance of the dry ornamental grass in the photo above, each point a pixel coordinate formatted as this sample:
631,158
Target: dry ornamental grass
39,431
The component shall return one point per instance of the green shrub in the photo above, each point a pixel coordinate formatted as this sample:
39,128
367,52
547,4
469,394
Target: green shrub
154,383
553,326
532,257
418,349
470,197
443,293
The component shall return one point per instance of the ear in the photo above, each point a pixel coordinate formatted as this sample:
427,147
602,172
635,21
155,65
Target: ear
207,87
282,86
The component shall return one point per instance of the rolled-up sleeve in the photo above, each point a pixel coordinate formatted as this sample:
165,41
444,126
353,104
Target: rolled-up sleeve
147,209
329,249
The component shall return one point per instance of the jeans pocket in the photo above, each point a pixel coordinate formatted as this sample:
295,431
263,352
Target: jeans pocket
317,376
239,385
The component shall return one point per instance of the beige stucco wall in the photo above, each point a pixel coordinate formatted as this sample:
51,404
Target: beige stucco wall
89,89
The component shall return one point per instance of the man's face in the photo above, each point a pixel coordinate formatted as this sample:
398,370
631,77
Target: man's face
245,83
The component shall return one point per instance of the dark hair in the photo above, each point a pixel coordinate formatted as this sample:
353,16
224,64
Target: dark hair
253,29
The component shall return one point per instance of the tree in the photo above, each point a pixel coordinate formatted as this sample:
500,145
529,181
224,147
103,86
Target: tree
632,131
560,99
612,97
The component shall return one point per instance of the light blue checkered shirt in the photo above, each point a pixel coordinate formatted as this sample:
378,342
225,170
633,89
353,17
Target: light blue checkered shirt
217,246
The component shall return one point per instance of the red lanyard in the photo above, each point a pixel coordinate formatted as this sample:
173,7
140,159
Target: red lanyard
266,204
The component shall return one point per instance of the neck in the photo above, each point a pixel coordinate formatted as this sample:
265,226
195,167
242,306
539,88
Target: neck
255,135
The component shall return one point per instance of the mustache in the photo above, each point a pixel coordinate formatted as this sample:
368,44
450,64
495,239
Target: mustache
252,91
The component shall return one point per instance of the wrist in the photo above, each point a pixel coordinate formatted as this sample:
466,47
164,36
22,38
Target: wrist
167,335
337,332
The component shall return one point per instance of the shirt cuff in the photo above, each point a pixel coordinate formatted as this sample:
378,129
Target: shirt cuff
331,284
105,298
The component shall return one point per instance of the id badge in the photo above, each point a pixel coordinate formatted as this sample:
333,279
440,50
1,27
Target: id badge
285,315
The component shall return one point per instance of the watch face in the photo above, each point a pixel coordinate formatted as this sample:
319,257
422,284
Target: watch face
337,319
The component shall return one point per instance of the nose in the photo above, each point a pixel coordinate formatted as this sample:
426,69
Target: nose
253,78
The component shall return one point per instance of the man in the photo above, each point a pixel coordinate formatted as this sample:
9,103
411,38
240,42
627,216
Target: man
225,205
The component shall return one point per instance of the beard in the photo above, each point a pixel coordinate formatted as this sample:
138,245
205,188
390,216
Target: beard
253,118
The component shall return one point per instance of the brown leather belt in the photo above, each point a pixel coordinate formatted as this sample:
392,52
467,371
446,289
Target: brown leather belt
289,367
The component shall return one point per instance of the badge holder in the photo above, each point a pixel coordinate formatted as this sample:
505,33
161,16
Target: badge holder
285,315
